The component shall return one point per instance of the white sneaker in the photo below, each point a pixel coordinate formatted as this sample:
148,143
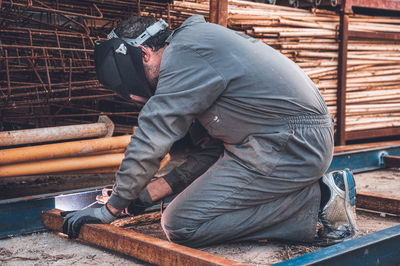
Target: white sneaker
338,216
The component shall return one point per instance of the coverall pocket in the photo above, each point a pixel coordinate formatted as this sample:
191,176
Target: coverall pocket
263,151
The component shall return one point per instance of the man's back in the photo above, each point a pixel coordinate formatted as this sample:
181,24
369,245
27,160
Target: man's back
258,78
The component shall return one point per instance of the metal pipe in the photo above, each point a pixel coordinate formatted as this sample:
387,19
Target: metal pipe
58,150
66,164
61,165
106,170
103,128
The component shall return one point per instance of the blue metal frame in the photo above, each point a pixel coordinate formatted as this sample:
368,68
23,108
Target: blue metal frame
379,248
363,160
24,215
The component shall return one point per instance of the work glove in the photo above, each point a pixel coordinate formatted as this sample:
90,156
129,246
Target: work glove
74,220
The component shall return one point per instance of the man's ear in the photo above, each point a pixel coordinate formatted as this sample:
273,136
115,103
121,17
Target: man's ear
145,53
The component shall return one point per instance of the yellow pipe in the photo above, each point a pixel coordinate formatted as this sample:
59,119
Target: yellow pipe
66,164
52,151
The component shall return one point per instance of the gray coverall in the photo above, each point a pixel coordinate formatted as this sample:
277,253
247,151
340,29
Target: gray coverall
274,125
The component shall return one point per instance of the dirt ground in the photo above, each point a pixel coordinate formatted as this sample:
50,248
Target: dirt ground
47,248
383,182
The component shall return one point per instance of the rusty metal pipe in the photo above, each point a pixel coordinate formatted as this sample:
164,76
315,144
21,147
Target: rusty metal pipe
66,149
65,164
103,128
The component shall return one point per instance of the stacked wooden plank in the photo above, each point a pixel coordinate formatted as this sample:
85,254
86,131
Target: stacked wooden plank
310,38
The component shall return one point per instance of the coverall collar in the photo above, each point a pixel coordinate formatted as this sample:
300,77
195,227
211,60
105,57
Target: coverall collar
190,21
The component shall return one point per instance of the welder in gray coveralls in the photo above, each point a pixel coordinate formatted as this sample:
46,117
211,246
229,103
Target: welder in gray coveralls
260,172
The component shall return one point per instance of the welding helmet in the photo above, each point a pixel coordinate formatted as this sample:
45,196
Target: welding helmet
119,65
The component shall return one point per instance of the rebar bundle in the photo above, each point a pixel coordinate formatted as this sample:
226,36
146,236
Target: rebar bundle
47,72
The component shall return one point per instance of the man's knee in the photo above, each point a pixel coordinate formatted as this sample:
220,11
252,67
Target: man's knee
177,229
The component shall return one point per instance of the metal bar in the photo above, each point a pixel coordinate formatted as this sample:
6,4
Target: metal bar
363,160
342,79
61,165
47,48
391,161
379,203
140,246
103,128
8,74
66,164
73,148
379,248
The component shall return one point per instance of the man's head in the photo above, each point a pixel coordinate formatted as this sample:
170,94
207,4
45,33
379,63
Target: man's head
152,48
129,62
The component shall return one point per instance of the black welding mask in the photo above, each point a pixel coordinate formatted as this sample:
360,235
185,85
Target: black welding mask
119,67
119,64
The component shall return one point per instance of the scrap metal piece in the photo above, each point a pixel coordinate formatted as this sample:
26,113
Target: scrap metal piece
137,245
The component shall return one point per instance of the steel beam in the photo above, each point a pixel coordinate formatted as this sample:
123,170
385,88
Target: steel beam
363,160
140,246
379,248
378,203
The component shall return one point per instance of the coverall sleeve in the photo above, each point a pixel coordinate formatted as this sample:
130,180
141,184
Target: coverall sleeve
194,166
188,85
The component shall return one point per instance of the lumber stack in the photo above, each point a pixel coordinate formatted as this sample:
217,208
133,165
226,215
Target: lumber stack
310,38
373,91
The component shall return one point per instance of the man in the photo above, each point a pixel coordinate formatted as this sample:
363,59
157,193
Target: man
270,139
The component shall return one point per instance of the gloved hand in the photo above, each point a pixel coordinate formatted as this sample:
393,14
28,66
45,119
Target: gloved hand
74,220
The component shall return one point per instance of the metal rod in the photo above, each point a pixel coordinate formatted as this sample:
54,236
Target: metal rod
61,165
51,151
103,128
